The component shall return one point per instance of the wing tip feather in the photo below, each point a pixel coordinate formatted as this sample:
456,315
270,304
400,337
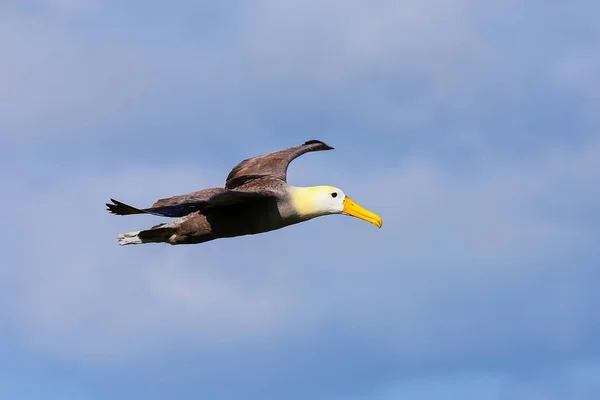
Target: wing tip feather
119,208
324,145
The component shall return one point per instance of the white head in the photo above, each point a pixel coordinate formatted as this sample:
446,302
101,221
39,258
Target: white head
316,201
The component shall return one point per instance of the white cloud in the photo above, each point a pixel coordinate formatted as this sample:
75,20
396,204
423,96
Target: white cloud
70,6
393,64
547,385
578,75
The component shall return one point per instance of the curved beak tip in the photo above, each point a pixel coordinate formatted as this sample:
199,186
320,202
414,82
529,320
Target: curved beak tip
357,211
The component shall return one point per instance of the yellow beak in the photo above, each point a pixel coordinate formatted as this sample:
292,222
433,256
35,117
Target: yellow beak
353,209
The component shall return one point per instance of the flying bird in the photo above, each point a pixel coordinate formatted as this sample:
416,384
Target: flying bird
256,199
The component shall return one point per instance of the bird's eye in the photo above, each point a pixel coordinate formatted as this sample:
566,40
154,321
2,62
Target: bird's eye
334,195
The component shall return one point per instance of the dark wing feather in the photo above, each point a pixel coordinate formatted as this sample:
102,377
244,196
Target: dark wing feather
175,211
223,199
175,206
272,165
199,196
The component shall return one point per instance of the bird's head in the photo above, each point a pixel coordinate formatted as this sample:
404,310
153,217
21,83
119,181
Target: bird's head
316,201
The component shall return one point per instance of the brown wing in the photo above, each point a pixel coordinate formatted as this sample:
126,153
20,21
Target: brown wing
181,208
175,206
272,165
200,195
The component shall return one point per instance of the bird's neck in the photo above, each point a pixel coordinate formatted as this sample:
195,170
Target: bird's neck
303,201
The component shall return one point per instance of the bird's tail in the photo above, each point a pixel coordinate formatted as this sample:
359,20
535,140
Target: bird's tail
129,238
156,234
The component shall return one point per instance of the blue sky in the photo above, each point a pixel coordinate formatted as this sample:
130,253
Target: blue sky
471,127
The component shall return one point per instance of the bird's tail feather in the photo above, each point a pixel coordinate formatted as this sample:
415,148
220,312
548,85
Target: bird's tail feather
153,235
129,238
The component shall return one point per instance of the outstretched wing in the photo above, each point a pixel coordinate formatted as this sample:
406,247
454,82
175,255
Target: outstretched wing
223,199
272,165
176,211
194,197
175,206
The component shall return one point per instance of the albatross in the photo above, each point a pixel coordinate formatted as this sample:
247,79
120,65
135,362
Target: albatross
256,199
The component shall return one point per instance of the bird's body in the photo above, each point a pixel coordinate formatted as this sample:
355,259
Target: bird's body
256,199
